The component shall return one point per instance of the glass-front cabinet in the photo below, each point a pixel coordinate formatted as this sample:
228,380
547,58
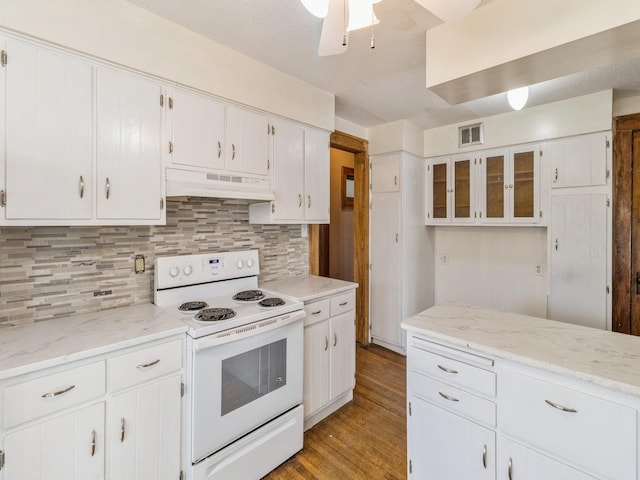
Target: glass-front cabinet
450,190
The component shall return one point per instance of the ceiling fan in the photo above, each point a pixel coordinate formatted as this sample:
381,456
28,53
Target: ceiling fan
344,16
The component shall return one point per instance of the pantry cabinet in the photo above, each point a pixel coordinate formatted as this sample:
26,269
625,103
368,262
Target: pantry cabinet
329,355
401,258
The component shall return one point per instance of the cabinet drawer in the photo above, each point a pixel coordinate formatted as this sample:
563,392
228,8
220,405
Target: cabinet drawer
42,396
581,428
343,303
145,364
453,371
317,311
453,399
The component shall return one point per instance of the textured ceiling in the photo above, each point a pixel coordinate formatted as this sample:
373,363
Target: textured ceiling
372,86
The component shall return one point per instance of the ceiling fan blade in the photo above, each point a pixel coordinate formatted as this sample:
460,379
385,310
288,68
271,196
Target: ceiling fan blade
333,28
448,10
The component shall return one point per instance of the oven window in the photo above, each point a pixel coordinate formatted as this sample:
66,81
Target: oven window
250,375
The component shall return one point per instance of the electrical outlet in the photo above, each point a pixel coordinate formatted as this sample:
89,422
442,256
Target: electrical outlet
443,259
539,269
139,264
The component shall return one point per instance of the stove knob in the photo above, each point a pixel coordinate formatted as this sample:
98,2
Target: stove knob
174,271
240,264
250,263
188,269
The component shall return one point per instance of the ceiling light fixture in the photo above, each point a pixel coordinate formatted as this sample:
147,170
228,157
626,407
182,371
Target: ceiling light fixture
518,97
319,8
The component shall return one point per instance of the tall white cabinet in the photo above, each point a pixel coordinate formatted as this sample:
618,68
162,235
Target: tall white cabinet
401,247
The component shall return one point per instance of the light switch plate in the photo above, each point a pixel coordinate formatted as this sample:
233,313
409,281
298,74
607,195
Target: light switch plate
139,264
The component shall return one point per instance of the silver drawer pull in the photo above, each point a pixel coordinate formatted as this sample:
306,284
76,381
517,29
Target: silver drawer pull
343,304
326,343
335,339
317,312
510,469
122,430
484,457
447,397
93,443
150,364
448,370
59,392
560,407
107,188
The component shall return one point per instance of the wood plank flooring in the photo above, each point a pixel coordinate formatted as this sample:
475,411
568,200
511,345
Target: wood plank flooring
366,439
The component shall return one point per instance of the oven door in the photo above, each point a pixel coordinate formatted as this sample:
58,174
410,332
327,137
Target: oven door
242,379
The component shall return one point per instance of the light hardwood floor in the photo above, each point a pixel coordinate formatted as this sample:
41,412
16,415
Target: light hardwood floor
366,439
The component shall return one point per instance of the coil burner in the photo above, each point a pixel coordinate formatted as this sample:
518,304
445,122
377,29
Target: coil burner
215,314
271,302
248,296
192,306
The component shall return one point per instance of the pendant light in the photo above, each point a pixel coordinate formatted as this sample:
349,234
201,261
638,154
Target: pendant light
518,97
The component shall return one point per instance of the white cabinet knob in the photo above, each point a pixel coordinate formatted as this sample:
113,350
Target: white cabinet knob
174,271
249,263
240,264
188,269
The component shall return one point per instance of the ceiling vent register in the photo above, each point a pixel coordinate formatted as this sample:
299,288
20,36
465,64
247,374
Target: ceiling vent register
470,135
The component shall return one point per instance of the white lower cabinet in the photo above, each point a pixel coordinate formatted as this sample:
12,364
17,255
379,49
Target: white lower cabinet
329,356
117,417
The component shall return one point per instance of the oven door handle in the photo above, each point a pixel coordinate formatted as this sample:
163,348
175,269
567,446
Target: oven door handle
238,333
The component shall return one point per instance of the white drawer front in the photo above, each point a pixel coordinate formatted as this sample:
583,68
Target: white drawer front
590,431
453,399
343,303
145,364
452,371
42,396
317,311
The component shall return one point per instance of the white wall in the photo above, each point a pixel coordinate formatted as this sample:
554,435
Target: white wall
575,116
396,136
493,267
117,31
351,128
626,106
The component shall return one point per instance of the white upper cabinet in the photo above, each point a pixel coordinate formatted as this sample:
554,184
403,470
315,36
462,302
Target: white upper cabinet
129,179
197,130
247,149
316,175
524,184
450,189
385,173
48,117
288,181
579,161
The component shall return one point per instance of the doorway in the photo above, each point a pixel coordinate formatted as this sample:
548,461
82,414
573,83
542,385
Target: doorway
319,254
626,225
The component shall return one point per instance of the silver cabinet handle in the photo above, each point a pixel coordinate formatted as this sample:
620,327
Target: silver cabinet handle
335,339
396,238
122,430
299,200
343,304
560,407
510,469
511,185
219,150
506,187
484,457
93,443
308,201
555,176
447,397
107,188
317,312
395,180
233,151
81,186
556,244
326,343
448,370
150,364
59,392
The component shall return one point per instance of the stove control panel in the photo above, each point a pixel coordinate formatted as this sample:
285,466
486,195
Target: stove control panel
183,270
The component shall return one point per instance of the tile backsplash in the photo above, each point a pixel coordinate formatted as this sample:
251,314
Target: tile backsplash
48,272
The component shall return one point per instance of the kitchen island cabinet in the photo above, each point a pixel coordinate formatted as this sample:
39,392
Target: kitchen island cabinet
92,396
329,342
565,405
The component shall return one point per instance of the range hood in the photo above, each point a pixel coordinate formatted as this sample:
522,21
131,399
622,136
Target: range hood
186,183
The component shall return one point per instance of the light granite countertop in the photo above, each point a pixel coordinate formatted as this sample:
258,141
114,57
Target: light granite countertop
308,287
38,345
608,359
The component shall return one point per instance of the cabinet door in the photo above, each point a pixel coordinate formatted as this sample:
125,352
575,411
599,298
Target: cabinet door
70,447
578,259
288,179
197,130
145,428
316,175
247,142
316,367
494,200
343,351
463,189
129,167
385,279
579,161
49,151
442,445
437,186
385,173
524,184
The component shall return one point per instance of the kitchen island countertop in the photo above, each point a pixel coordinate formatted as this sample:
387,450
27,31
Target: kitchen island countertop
30,347
308,287
604,358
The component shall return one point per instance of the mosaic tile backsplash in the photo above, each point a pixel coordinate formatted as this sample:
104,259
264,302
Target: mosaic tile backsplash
48,272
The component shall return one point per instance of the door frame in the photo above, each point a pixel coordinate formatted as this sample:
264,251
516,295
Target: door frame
623,194
360,148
